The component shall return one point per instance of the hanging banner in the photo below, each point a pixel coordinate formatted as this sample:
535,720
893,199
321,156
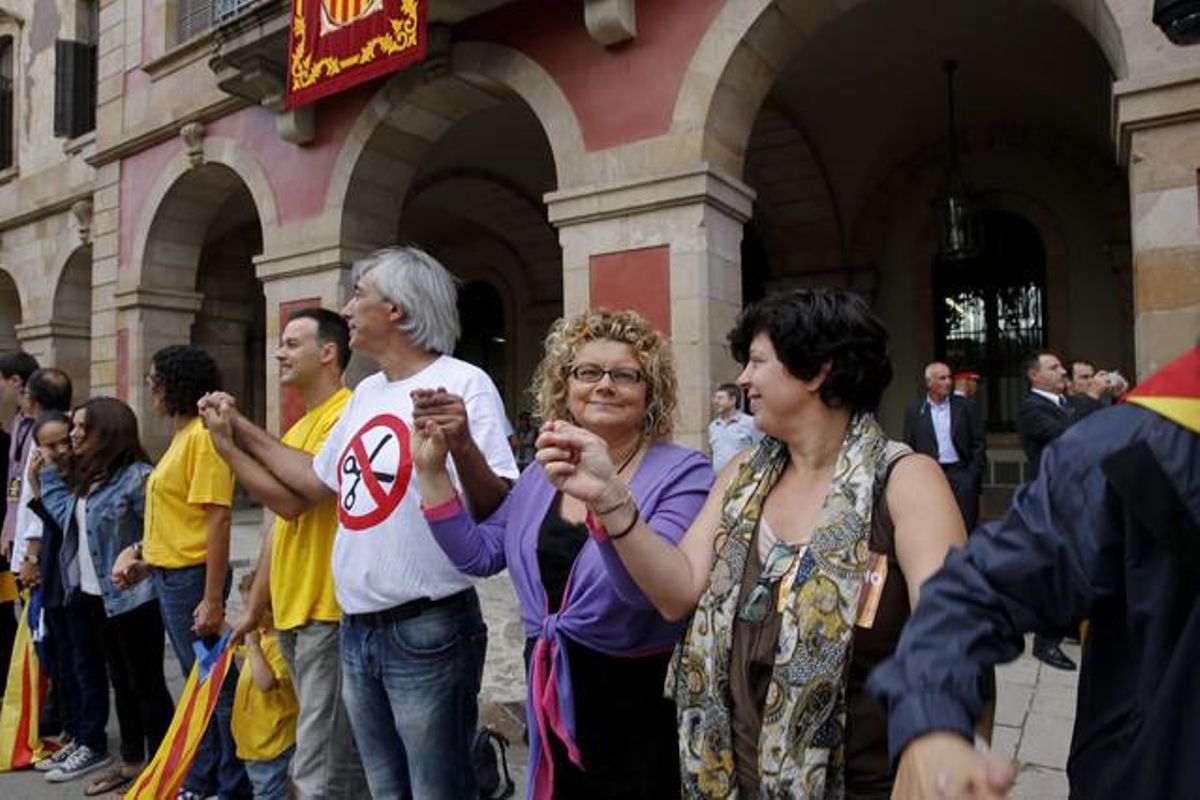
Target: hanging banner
336,44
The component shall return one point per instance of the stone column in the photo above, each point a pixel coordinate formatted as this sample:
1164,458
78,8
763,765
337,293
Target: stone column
149,319
66,345
670,247
1160,140
290,282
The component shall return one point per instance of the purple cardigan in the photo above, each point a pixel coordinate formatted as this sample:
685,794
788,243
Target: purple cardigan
602,609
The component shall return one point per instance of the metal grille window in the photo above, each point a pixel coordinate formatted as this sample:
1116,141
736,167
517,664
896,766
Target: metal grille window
194,17
74,88
990,313
6,102
225,10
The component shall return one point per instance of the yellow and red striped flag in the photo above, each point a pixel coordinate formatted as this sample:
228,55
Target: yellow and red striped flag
1174,391
164,775
20,742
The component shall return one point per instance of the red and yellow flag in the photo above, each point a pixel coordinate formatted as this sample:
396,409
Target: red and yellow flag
164,775
1174,391
336,44
20,742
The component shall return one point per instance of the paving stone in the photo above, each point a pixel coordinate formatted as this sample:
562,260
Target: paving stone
1005,740
1012,703
1046,741
1037,783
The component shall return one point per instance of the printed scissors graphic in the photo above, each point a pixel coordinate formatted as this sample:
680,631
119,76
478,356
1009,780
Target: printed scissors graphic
351,467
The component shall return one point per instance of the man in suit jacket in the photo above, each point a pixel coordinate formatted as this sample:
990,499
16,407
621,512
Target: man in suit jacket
949,429
1045,414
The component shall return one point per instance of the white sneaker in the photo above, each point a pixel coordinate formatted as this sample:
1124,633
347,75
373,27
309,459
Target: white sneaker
53,760
79,763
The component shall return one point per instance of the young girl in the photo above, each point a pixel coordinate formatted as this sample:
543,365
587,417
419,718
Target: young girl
264,709
100,505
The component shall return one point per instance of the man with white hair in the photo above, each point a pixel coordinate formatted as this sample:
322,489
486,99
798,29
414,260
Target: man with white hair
949,429
412,636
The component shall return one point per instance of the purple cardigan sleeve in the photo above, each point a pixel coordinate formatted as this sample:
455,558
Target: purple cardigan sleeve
474,548
668,506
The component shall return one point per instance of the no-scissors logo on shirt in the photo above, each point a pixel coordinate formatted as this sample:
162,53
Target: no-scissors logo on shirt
373,472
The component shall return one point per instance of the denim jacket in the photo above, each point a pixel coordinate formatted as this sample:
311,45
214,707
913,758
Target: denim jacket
115,512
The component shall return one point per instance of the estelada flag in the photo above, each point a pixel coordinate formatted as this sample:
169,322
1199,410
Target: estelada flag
336,44
164,775
20,742
1174,391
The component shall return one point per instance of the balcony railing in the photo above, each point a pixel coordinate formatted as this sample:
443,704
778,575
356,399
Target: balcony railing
225,10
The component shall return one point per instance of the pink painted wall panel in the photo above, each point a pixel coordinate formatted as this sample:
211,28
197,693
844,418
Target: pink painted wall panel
620,94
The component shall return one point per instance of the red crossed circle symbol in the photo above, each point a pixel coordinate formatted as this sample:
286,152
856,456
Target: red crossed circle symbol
362,472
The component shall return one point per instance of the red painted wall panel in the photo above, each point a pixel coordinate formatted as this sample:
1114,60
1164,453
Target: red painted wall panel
123,365
620,94
637,279
291,404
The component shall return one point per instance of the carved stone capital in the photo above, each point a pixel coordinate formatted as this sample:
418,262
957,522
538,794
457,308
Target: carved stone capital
611,22
193,138
81,212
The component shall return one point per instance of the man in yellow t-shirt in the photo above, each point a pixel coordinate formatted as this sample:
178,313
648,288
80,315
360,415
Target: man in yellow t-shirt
264,709
295,561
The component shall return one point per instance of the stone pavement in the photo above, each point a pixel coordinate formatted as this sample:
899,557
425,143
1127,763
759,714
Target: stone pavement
1034,714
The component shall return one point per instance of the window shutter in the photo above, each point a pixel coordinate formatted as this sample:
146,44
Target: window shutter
195,17
6,120
74,88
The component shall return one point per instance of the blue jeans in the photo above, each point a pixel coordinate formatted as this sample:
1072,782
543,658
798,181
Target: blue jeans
270,778
217,768
411,689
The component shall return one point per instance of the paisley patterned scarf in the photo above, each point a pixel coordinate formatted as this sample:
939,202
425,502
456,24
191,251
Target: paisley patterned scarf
800,747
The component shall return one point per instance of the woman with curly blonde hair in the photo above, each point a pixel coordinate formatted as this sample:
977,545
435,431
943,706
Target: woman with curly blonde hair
596,647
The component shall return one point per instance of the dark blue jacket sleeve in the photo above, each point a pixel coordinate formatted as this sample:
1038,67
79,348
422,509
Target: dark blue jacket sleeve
1037,569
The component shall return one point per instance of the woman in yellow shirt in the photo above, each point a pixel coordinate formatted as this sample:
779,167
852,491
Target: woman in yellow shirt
186,549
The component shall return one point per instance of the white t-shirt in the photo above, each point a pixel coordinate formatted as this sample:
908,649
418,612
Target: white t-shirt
384,553
89,581
28,525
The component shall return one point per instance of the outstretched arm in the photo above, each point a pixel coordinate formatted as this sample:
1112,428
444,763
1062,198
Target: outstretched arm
289,482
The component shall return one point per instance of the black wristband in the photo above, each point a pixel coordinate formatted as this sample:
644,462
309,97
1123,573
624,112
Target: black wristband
632,524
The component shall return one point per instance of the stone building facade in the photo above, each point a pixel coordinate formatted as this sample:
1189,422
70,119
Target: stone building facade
677,156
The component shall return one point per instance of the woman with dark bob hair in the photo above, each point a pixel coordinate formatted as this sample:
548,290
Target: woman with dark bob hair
801,568
185,552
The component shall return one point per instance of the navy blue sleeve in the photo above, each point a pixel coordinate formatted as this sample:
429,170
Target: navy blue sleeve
1037,569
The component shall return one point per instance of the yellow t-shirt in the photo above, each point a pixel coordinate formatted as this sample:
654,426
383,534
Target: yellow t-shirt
302,549
189,476
264,723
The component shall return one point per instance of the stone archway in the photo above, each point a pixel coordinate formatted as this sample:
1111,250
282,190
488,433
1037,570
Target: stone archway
195,283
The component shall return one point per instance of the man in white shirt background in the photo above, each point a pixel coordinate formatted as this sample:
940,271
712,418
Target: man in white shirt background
731,430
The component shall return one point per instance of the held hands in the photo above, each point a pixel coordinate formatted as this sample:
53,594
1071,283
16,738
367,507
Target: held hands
447,411
218,410
246,625
208,618
944,766
30,575
429,447
577,463
128,569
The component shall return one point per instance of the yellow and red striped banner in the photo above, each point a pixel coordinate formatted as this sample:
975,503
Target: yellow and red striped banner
1174,391
20,741
164,775
337,44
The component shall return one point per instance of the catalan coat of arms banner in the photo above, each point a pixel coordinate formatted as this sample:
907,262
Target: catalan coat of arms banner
336,44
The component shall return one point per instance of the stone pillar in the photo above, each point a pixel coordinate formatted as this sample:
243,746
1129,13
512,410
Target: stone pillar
632,243
315,278
1160,140
149,319
66,345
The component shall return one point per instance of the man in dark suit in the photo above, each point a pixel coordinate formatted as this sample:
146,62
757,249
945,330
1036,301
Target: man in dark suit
1045,415
949,429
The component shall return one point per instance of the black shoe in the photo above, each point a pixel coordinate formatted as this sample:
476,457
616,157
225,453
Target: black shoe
1053,655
